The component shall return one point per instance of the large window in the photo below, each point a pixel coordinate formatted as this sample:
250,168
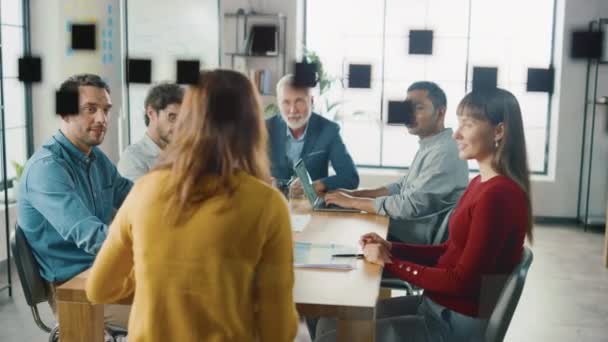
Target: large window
511,36
13,91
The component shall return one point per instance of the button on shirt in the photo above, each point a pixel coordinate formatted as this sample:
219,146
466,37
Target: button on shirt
294,146
67,201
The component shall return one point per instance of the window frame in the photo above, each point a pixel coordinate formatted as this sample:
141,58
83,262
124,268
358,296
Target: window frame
27,96
466,86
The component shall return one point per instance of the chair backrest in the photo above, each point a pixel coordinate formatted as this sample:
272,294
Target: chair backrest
441,235
507,301
34,287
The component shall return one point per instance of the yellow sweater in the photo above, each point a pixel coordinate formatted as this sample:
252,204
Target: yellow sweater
220,276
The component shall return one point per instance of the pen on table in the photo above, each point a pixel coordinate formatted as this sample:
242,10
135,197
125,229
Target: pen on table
358,256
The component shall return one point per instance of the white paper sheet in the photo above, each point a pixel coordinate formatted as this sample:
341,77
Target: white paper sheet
299,221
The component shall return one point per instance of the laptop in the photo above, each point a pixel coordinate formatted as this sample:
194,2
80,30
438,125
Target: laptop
318,204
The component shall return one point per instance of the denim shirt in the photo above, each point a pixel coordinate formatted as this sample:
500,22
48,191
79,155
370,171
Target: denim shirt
67,199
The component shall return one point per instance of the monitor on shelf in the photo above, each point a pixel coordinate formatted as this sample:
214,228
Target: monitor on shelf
263,40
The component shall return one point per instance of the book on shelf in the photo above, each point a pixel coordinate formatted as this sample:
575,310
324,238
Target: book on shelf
262,79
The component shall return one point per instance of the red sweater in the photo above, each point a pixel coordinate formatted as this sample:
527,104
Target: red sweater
486,238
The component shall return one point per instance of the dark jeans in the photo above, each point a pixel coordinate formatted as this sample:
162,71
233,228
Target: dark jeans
414,319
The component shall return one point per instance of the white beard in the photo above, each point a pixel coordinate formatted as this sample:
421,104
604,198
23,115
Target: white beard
298,124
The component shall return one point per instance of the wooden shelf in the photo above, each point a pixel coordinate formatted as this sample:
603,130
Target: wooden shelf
250,55
255,15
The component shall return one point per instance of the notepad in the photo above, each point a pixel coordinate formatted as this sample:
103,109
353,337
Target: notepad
299,222
316,255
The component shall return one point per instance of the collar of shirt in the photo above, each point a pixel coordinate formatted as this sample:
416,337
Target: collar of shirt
72,150
150,145
432,140
301,138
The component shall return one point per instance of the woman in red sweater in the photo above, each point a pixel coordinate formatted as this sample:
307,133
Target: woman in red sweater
463,277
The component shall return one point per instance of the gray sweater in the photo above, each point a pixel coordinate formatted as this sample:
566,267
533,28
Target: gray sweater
433,185
138,158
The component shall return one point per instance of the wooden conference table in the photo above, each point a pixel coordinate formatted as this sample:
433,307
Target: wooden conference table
349,296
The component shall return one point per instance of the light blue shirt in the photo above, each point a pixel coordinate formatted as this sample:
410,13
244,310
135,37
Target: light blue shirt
433,185
67,199
294,146
138,158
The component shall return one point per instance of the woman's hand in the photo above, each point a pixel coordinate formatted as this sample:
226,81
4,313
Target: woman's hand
377,253
374,238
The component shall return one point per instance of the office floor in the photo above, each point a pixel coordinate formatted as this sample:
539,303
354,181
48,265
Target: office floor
565,297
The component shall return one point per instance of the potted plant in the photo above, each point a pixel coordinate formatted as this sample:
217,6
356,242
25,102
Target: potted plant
18,172
323,104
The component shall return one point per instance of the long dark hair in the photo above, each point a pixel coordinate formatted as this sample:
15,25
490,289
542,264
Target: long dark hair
220,132
510,158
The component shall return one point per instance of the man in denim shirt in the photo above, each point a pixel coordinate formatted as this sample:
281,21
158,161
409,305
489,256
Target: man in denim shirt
70,189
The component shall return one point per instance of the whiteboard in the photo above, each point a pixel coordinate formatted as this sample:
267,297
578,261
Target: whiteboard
164,32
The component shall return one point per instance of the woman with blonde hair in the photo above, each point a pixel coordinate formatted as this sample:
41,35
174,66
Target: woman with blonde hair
463,277
203,256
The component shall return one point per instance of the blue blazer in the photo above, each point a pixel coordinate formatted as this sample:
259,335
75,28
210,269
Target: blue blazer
322,145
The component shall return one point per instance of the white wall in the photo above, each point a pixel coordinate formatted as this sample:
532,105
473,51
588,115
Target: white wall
558,196
50,40
164,32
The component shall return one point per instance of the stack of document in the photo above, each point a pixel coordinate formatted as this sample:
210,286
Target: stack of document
317,255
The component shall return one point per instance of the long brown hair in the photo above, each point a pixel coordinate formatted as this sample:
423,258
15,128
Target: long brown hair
220,132
510,158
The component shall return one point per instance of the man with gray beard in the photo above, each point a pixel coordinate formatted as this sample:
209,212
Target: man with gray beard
298,133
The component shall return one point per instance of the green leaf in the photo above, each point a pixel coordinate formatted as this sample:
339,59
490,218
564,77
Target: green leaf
334,105
270,110
324,85
18,169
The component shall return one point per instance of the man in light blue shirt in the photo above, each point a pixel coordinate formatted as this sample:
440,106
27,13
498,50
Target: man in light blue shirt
70,189
294,145
419,201
162,107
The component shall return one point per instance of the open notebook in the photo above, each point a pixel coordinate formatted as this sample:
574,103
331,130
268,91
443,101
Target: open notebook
317,255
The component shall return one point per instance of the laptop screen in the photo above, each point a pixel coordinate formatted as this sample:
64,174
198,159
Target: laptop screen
302,173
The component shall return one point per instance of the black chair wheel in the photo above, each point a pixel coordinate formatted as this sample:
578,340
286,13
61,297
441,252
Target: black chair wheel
54,335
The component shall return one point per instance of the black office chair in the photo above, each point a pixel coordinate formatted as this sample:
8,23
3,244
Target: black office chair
441,235
34,287
507,301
